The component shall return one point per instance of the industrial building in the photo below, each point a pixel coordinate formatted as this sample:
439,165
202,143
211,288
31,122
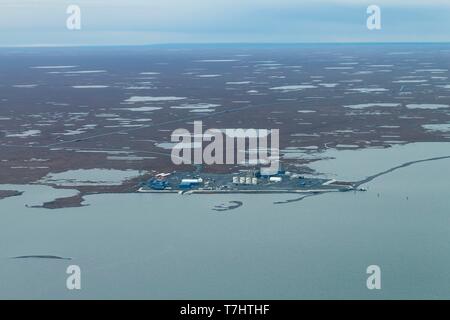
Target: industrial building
156,184
189,183
249,180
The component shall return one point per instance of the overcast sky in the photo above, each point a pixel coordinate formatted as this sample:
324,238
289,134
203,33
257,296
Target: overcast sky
115,22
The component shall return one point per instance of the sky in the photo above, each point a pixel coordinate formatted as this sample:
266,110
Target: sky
141,22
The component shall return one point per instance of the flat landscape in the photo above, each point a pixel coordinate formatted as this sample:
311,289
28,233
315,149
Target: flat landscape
100,119
219,151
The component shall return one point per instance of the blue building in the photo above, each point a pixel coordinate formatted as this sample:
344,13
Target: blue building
158,184
185,185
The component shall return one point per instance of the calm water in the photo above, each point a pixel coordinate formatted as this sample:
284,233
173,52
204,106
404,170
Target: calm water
170,246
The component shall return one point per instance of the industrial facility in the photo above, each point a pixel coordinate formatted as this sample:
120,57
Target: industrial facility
244,181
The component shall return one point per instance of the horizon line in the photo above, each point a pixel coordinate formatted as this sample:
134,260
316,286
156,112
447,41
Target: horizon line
164,44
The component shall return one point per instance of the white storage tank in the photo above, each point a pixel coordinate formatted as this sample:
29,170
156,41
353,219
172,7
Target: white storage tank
248,180
235,180
242,180
254,180
194,181
275,179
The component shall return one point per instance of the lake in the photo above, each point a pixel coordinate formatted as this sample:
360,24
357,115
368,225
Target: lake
151,246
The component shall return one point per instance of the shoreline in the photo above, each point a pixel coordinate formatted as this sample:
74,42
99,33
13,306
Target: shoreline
253,191
4,194
78,199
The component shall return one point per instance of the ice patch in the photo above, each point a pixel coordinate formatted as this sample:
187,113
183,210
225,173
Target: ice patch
410,81
25,134
71,132
142,109
196,106
128,158
372,105
328,85
135,99
25,85
106,115
369,90
292,88
208,75
138,88
432,70
90,87
238,82
84,71
381,65
90,177
306,111
170,145
427,106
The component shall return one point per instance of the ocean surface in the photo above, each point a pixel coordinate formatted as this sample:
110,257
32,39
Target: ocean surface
149,246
